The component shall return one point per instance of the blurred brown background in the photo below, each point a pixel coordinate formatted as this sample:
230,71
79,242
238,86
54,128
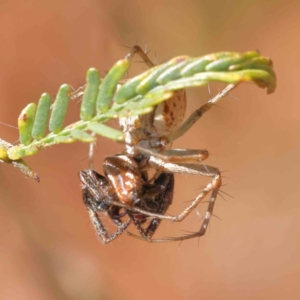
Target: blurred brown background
48,249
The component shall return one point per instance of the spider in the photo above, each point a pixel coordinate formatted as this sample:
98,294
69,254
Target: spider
148,140
100,195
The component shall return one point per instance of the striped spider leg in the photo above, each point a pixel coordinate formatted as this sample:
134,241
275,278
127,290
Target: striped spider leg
96,193
174,161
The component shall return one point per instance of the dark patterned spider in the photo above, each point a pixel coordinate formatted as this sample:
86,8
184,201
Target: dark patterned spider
126,185
103,194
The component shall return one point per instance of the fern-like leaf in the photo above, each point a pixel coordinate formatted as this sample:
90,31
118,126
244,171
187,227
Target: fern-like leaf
102,101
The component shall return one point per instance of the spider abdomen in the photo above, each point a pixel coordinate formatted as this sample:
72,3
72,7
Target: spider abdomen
166,116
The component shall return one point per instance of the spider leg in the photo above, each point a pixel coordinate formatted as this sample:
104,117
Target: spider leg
91,153
194,169
177,156
163,199
137,224
142,54
196,115
199,233
96,221
213,187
